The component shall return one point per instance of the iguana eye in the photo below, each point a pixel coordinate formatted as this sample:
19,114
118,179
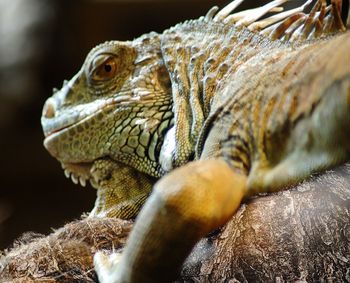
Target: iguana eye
105,70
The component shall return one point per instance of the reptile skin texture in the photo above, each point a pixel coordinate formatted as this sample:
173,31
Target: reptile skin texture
187,124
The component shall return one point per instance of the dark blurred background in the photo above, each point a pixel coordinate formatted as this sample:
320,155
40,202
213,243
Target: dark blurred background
42,43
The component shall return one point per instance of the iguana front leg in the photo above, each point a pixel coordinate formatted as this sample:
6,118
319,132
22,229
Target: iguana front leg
184,206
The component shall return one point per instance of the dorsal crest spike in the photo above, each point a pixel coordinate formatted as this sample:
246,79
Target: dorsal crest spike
211,13
227,10
290,25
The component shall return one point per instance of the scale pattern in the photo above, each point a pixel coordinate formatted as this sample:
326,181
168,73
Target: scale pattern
219,108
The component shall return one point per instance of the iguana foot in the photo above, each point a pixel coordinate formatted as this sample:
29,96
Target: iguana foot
105,265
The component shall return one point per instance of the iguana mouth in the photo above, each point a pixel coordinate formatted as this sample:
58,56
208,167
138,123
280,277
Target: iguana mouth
59,129
56,126
83,112
77,114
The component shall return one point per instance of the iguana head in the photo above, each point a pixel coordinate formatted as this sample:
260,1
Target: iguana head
117,106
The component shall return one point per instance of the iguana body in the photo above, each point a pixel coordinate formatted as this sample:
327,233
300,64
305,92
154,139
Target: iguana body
250,113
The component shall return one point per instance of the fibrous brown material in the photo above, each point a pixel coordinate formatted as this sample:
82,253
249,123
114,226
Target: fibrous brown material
66,254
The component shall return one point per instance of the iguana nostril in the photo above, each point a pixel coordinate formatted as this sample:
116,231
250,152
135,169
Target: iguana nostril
49,110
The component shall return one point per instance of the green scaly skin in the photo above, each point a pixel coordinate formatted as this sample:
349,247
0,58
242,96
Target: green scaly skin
110,131
253,113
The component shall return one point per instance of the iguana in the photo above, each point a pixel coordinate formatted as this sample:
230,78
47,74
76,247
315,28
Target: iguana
219,109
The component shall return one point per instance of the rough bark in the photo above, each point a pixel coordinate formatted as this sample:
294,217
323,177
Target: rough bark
298,235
